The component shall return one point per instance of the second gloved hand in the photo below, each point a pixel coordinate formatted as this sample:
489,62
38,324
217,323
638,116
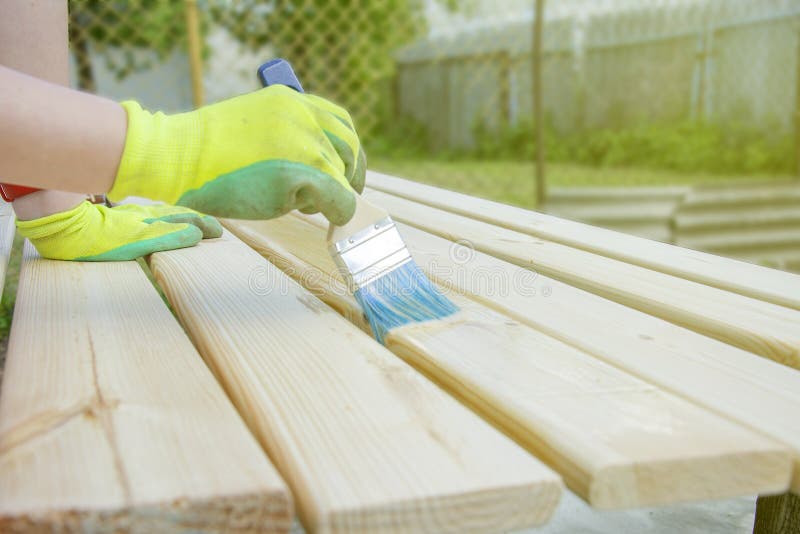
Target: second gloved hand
92,232
255,156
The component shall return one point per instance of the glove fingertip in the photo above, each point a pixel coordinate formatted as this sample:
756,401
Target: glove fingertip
211,227
342,209
360,174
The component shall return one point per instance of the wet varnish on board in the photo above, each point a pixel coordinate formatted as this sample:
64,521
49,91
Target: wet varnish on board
110,421
366,443
616,439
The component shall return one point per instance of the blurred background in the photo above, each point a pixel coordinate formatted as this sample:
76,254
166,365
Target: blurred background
675,120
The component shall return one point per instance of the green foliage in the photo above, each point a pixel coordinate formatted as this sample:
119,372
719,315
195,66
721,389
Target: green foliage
685,147
6,311
155,25
688,146
403,138
343,50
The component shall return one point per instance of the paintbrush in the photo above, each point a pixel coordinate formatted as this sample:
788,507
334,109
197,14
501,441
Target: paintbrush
390,287
372,256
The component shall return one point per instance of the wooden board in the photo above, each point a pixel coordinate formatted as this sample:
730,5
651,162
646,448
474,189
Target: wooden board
759,393
366,443
763,328
709,219
739,277
754,391
6,239
110,421
618,441
749,241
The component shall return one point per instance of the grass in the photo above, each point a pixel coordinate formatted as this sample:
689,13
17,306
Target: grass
512,182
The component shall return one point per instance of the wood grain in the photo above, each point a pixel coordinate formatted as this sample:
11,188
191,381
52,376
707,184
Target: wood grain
110,421
366,443
777,514
6,240
617,440
760,327
756,392
762,283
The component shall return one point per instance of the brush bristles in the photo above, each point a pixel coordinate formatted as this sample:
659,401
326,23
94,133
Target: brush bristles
402,296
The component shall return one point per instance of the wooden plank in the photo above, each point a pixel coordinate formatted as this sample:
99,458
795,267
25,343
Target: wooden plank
6,240
690,222
657,232
616,213
7,228
756,392
746,240
744,196
602,194
366,443
759,393
763,328
777,514
647,446
641,211
736,276
110,421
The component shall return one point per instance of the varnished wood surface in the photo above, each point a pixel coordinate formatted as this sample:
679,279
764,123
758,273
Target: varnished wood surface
762,283
617,440
110,421
6,239
366,443
754,391
760,327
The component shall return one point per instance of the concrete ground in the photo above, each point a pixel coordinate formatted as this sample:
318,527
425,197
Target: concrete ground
574,516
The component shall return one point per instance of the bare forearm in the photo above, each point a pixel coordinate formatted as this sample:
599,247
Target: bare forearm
34,40
53,137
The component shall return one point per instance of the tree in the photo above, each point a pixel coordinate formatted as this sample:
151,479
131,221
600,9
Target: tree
116,29
341,49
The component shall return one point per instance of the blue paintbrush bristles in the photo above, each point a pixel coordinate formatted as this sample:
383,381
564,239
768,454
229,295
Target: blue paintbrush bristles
402,296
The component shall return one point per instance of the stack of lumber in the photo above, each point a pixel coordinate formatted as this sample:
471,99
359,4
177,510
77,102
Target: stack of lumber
641,211
109,421
758,222
635,372
365,443
617,440
728,311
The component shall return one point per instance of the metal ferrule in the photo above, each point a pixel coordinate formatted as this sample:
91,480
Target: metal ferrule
370,253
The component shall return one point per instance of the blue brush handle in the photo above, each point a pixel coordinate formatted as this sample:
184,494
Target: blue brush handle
279,71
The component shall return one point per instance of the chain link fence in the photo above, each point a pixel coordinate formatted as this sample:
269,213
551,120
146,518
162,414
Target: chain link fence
658,93
690,86
133,49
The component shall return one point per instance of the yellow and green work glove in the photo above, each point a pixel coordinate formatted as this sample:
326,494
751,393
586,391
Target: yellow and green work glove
92,232
255,156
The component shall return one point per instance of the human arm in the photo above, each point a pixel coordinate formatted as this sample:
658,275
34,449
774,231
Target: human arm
62,225
53,137
34,40
254,156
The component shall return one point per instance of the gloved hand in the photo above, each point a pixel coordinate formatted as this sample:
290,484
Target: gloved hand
255,156
92,232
